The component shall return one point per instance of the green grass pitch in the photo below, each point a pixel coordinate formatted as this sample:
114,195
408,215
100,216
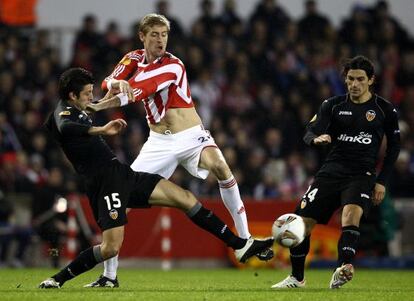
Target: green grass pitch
206,285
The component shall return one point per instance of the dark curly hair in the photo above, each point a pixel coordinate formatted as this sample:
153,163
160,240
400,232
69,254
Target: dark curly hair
73,80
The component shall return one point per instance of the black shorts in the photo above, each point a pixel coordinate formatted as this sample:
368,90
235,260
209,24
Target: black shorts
116,187
326,195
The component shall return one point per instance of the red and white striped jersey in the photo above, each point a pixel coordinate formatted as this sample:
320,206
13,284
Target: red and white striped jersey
160,85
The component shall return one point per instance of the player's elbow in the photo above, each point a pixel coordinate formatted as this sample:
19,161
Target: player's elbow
308,138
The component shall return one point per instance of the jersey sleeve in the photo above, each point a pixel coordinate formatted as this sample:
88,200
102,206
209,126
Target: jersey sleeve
152,80
122,71
392,132
319,123
68,126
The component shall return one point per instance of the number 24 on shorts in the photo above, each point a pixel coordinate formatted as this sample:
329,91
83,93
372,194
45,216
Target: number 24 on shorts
310,195
203,139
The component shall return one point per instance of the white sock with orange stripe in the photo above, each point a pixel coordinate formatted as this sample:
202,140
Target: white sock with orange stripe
230,195
110,267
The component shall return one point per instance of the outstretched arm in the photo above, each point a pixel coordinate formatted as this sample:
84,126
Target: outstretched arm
137,88
109,101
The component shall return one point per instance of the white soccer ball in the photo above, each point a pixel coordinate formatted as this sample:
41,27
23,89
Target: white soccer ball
288,230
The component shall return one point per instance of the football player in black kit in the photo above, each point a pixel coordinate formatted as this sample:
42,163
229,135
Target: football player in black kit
112,186
354,125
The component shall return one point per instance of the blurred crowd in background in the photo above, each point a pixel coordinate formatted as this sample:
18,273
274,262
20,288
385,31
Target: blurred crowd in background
256,82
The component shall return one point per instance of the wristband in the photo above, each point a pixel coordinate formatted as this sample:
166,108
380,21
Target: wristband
123,98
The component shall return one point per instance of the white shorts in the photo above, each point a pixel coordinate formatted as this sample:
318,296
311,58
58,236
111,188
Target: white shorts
162,153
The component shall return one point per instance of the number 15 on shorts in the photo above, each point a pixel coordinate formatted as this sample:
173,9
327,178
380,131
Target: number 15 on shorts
113,201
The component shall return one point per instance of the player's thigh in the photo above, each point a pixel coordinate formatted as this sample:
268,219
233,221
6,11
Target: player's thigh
141,185
320,200
191,152
358,192
169,194
156,158
108,194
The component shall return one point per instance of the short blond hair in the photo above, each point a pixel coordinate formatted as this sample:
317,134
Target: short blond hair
153,19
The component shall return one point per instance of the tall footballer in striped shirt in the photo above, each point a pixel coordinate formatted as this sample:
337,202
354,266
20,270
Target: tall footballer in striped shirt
177,136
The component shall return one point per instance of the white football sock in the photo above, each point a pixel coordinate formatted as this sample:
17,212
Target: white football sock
110,267
230,195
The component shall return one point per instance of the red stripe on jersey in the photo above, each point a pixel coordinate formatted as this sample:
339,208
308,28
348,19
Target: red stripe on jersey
164,77
158,103
183,77
118,70
150,117
175,101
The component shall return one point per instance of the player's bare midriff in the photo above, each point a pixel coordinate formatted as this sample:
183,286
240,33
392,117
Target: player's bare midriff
177,120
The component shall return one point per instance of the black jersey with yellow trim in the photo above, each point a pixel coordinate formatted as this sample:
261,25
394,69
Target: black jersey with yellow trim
357,131
69,127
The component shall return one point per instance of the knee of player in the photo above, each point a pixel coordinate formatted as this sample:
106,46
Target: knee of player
309,225
351,215
110,250
350,220
187,200
221,170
